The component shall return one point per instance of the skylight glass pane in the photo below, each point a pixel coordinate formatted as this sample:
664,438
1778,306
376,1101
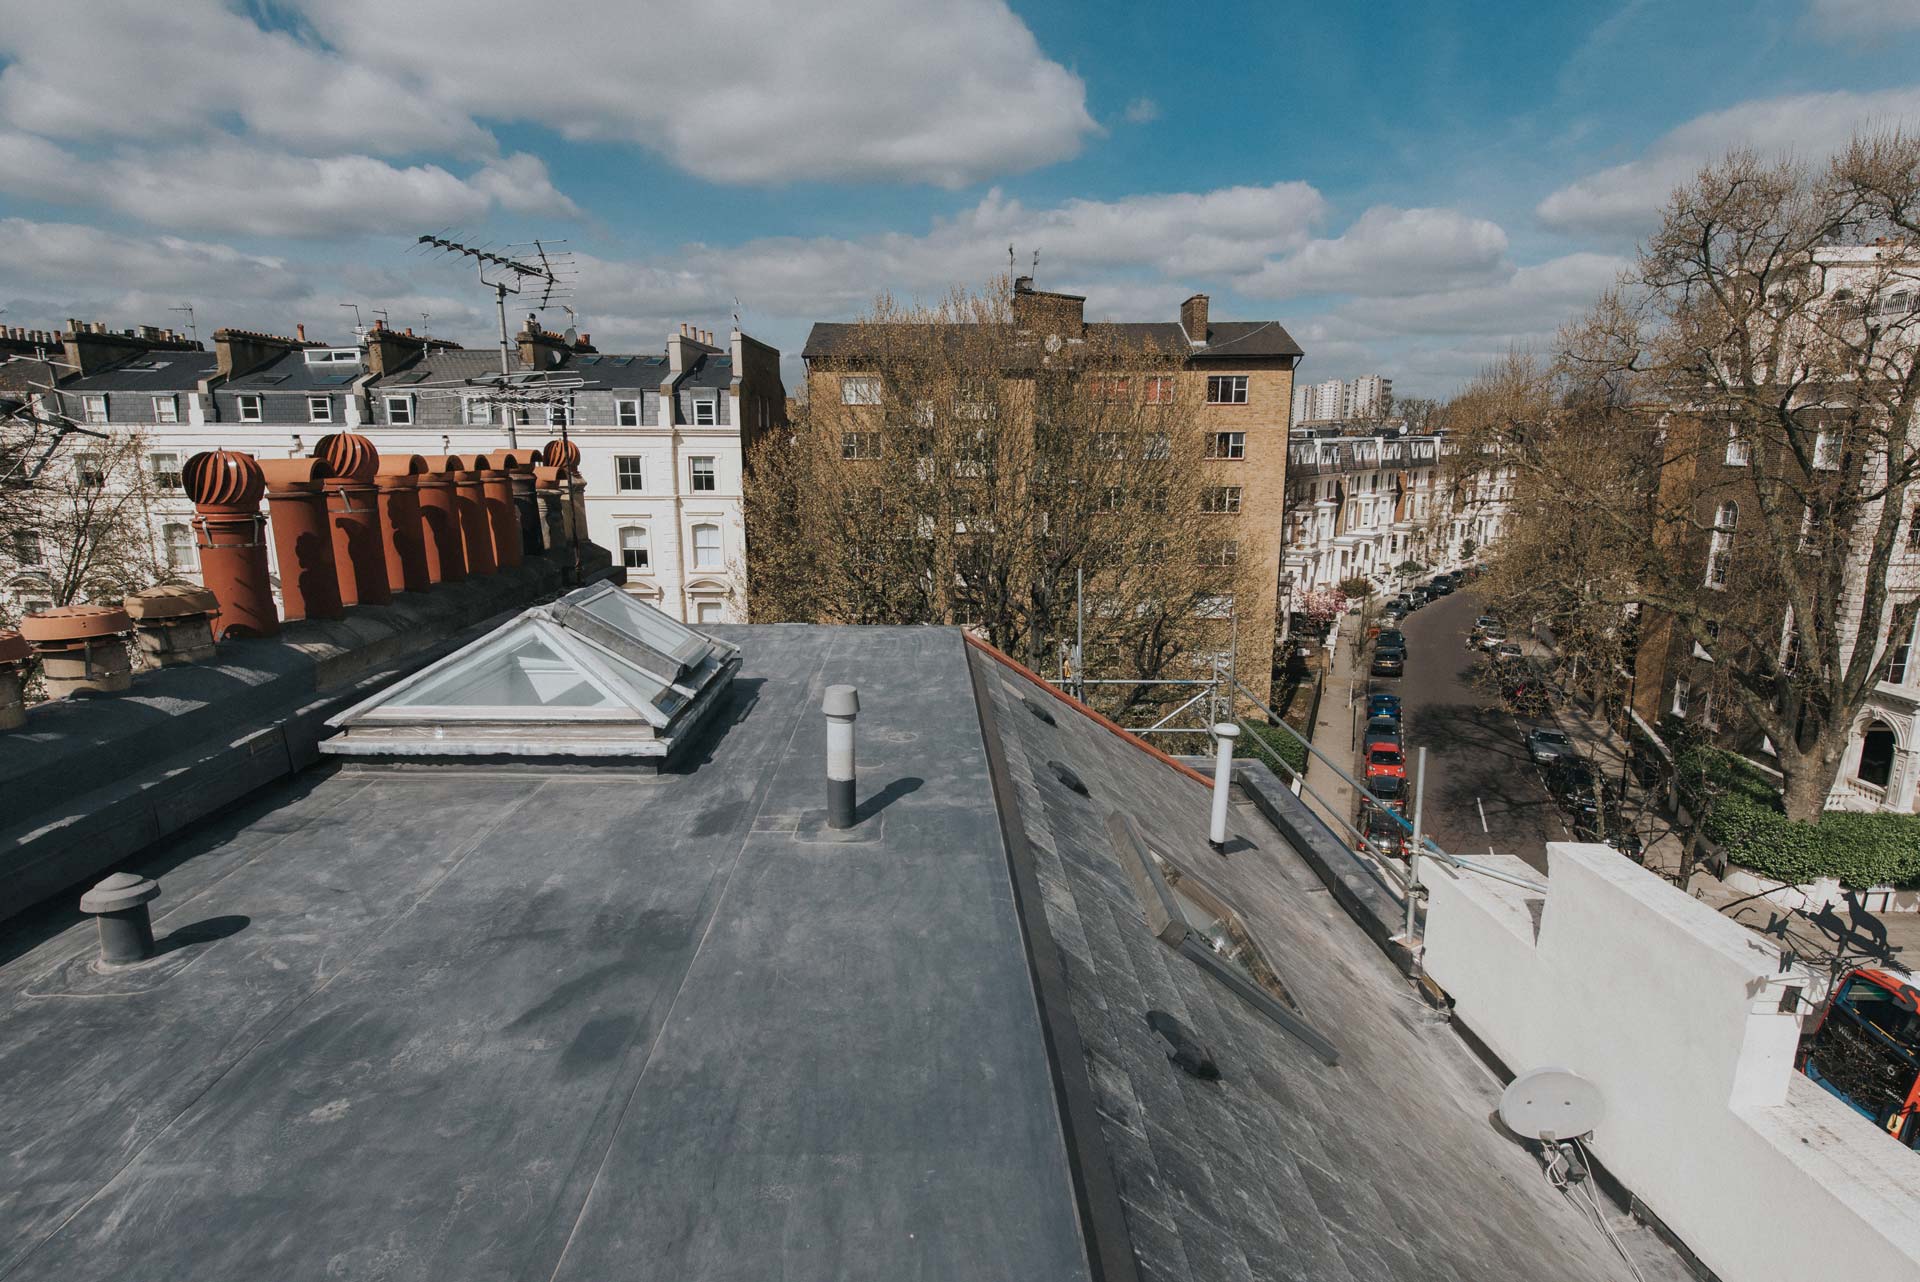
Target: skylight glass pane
527,674
621,611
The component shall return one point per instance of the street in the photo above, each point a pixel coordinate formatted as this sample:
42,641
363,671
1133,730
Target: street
1482,792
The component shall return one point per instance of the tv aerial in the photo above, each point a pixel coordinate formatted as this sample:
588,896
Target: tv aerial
542,272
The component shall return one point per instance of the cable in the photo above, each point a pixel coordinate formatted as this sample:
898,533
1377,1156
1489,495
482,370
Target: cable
1565,1183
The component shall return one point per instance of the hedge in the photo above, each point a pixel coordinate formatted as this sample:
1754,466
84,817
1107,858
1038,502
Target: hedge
1859,849
1283,753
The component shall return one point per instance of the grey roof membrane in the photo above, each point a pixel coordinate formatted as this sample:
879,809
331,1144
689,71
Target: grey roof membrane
487,1025
479,1024
291,373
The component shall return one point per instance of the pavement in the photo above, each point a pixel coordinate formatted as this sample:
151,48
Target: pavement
1327,791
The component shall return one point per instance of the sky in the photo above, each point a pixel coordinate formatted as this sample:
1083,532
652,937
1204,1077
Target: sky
1411,188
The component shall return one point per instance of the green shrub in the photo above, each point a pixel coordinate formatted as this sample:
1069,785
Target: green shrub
1860,849
1283,754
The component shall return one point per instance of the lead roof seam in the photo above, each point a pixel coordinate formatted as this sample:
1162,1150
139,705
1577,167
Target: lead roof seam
292,1007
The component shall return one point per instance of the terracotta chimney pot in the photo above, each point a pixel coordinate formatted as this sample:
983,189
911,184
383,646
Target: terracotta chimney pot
225,486
353,512
302,538
81,648
440,519
397,496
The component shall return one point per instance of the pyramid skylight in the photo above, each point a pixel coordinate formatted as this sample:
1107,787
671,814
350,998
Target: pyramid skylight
595,675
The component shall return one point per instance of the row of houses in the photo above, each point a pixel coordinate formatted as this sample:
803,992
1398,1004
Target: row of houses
660,433
663,437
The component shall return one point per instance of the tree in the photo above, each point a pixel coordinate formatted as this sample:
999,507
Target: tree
1725,445
972,476
81,529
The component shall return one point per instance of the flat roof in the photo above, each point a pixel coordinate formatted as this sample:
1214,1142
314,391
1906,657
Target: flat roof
468,1023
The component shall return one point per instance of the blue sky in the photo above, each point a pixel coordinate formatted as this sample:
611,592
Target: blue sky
1411,187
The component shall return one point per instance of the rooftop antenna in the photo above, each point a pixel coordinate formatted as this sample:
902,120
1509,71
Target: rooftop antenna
358,328
536,271
736,311
424,318
192,328
383,316
1012,264
1034,271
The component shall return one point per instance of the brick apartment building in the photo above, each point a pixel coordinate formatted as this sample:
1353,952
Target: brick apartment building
1239,374
659,433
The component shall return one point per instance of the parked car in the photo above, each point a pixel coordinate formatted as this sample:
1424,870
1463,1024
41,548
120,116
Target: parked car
1439,587
1419,597
1388,790
1383,833
1548,746
1381,730
1392,638
1490,639
1527,697
1396,611
1389,661
1382,704
1382,760
1507,652
1574,784
1486,621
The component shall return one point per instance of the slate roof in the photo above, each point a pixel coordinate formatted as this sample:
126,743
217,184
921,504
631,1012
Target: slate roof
1226,340
478,1024
710,371
162,371
608,371
291,373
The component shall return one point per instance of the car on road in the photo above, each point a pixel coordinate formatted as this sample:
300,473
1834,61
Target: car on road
1577,789
1383,833
1382,704
1440,586
1388,790
1486,621
1419,597
1382,730
1546,746
1396,611
1389,661
1507,652
1393,638
1382,760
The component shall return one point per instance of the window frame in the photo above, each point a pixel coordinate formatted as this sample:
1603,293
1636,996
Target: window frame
719,546
171,401
1739,448
89,401
638,473
861,445
243,402
1234,385
624,405
1226,447
1222,500
711,404
161,479
859,389
315,403
405,404
645,549
694,474
168,546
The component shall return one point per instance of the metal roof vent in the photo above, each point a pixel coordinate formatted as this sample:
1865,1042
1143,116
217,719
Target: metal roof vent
596,677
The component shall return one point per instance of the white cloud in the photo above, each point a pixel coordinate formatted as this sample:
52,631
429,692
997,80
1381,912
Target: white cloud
71,254
1141,111
233,187
99,69
1533,300
1861,19
1627,198
948,92
1389,251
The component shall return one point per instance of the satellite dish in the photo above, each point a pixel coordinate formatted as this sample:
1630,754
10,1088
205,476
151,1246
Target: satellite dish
571,337
1551,1104
1053,342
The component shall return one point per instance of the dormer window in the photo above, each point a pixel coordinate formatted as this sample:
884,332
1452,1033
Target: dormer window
400,411
333,356
95,408
166,409
249,409
319,409
705,411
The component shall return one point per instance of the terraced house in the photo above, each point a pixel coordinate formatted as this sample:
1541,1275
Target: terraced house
659,432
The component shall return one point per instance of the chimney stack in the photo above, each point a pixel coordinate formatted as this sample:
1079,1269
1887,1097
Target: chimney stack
1193,318
842,706
299,333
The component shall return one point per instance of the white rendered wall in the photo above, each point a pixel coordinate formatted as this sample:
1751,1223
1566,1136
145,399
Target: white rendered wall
1673,1011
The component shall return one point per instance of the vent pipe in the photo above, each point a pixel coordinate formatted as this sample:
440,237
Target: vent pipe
126,927
1224,734
842,706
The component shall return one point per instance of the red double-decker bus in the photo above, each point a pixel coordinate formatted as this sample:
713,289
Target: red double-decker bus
1866,1050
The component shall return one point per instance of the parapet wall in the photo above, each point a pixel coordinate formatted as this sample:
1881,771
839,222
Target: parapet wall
1675,1013
91,780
